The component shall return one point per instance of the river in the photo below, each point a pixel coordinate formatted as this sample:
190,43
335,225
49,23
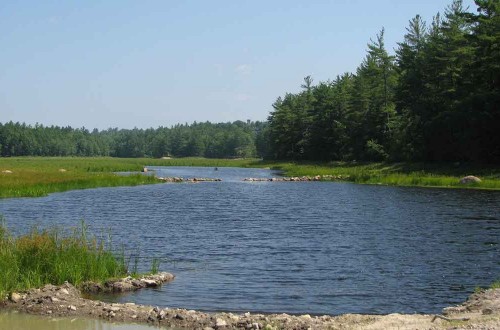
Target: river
294,247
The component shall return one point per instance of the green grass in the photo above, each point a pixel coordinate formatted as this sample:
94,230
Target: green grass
49,256
444,175
40,176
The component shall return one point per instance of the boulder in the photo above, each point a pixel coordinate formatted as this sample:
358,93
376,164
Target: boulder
220,323
15,297
469,179
123,286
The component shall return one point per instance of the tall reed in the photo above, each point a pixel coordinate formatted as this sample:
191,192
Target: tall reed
50,256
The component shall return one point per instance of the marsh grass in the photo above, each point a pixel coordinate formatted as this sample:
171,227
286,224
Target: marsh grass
49,256
444,175
39,176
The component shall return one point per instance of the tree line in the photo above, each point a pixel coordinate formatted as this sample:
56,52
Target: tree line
222,140
436,99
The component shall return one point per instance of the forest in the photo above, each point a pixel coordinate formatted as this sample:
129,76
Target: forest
435,99
224,140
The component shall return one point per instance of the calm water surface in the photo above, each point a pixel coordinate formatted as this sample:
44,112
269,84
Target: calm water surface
20,321
295,247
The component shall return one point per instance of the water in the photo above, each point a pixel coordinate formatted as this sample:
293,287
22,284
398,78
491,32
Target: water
295,247
20,321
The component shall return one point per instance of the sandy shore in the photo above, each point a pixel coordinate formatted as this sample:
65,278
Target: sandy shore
480,311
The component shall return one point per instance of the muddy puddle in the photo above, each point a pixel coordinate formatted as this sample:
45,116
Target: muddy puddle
21,321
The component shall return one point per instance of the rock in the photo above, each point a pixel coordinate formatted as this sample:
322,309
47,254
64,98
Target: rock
149,283
137,284
15,297
123,286
62,170
92,287
134,316
111,314
179,317
64,291
7,171
54,299
71,308
113,309
145,169
487,311
470,179
220,323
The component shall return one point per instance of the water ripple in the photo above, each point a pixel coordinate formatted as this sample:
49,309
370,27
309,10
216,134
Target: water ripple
318,248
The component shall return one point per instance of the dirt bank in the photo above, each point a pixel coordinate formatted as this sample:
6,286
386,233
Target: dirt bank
481,311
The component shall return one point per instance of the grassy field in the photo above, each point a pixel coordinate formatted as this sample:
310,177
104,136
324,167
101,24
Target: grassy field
39,176
49,256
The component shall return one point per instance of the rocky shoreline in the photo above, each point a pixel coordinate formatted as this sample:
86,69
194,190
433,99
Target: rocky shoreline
274,179
480,311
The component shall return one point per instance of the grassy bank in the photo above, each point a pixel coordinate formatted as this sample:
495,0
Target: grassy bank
445,175
49,256
39,176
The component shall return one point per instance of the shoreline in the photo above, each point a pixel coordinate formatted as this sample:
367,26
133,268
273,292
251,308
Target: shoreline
480,311
41,176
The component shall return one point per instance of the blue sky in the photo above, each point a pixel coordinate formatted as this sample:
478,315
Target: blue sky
143,64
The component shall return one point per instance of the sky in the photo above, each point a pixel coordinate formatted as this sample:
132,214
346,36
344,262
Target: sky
126,64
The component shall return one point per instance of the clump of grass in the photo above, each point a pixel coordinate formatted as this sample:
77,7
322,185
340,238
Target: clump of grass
155,266
495,285
49,256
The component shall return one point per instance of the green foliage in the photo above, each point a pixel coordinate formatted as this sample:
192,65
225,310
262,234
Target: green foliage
49,256
221,140
436,100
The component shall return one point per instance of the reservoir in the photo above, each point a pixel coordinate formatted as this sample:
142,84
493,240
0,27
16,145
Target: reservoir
293,247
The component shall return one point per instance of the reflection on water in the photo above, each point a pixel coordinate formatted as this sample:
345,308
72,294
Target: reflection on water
21,321
296,247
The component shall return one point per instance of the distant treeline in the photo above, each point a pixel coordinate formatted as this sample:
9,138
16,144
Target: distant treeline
437,99
224,140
